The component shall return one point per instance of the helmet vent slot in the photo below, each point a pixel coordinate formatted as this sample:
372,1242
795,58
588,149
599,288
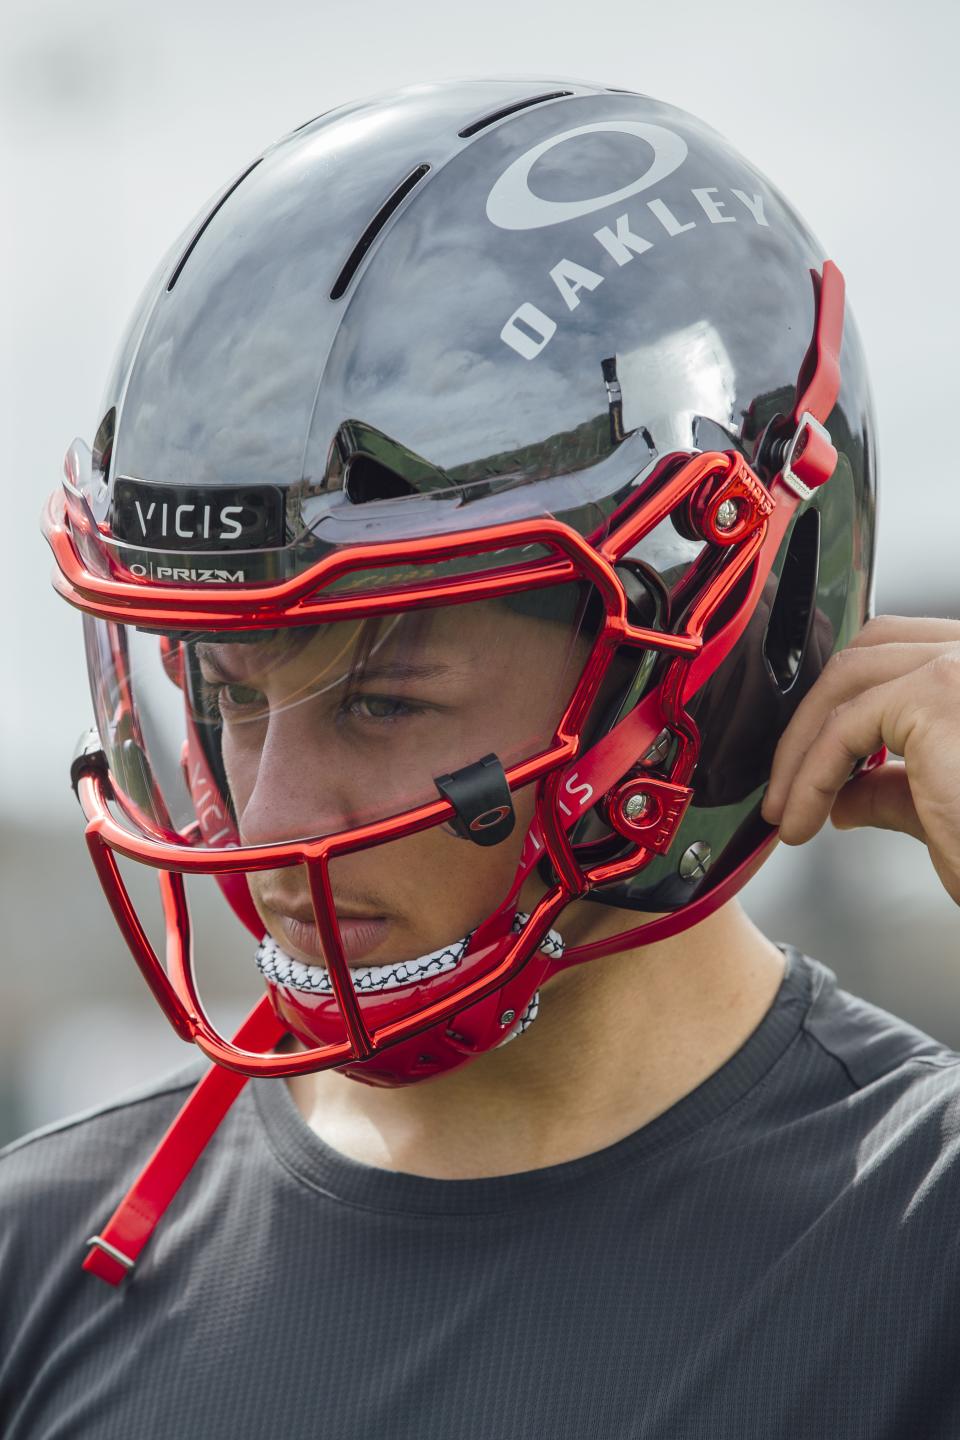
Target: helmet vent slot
505,110
374,228
312,121
222,201
788,628
369,480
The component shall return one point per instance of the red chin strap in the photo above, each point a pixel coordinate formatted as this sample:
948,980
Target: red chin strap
607,772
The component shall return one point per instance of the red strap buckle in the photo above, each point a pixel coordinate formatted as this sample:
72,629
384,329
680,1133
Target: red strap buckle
107,1261
810,459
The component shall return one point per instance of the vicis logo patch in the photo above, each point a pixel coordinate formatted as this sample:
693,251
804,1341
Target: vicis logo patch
512,205
186,517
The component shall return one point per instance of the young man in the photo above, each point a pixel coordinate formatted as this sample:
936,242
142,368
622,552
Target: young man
474,552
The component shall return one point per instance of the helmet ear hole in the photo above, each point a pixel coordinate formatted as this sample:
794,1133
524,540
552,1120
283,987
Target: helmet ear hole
788,629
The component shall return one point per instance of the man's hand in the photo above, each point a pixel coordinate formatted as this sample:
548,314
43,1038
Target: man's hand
897,684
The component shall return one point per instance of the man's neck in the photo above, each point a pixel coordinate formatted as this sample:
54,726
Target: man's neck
616,1042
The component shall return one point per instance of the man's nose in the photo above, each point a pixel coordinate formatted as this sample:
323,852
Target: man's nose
299,790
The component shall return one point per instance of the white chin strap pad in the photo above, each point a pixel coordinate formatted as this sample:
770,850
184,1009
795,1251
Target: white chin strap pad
279,968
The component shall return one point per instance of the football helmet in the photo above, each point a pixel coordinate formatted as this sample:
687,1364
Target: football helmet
483,479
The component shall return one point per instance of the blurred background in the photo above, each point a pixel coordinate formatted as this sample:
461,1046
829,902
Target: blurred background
118,120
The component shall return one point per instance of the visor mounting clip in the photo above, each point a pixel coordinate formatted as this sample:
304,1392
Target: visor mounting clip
88,759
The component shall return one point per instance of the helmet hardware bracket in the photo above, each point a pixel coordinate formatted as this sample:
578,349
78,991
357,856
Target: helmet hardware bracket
740,495
649,811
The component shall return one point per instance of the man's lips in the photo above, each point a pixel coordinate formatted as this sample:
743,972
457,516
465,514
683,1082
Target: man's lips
359,935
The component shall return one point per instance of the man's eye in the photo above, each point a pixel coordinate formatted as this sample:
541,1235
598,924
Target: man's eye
379,707
223,699
240,697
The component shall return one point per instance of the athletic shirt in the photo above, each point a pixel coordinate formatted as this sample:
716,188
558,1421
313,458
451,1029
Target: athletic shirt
776,1255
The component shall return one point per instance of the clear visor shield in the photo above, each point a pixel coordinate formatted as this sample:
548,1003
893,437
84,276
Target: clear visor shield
263,738
267,739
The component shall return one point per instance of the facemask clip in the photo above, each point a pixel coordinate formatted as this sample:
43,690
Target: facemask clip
481,798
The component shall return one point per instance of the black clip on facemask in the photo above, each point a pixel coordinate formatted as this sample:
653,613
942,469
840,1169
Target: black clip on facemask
481,797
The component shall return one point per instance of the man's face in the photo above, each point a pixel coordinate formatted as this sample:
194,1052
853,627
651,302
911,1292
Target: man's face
348,723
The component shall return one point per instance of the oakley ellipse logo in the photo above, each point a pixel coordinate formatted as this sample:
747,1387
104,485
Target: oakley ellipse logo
489,818
187,573
512,205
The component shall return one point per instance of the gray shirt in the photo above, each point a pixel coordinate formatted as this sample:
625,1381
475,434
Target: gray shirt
777,1255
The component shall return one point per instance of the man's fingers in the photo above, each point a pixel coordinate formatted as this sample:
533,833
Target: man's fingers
883,715
881,799
890,688
848,673
887,629
884,799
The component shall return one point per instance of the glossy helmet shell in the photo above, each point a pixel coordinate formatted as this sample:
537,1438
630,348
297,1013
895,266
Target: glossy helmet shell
477,301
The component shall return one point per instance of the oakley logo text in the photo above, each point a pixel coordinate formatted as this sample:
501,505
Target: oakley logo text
512,205
530,329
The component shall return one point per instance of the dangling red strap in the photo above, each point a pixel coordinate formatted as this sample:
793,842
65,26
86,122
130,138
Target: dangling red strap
113,1253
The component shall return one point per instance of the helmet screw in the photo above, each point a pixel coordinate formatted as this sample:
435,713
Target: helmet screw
695,862
658,750
507,1016
636,806
727,515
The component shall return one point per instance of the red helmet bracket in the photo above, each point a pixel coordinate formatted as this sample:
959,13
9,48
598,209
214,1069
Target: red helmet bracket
725,511
649,811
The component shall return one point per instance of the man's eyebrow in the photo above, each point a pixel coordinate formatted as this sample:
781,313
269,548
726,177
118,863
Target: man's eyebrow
403,670
390,670
207,655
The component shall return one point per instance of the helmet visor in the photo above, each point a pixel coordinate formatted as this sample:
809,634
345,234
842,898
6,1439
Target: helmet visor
270,737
